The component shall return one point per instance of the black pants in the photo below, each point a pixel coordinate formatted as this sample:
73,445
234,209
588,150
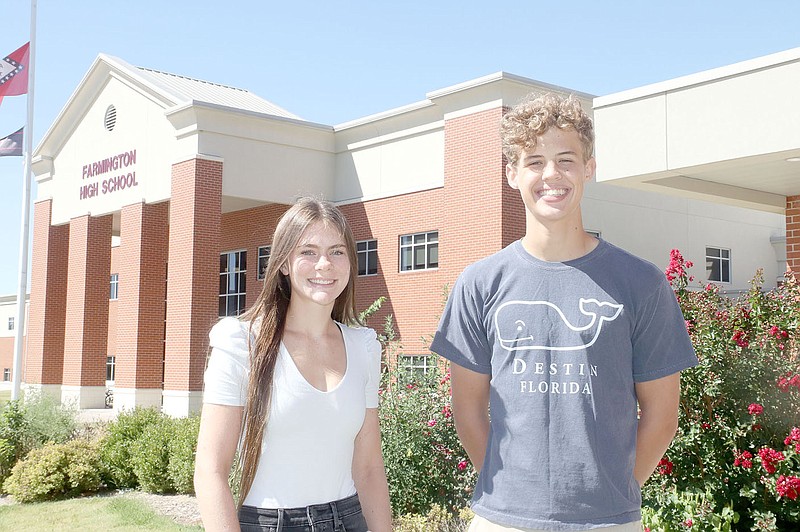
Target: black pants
338,516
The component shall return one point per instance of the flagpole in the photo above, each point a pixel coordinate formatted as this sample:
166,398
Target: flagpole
22,287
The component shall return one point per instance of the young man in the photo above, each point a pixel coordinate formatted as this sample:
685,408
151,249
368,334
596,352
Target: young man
565,349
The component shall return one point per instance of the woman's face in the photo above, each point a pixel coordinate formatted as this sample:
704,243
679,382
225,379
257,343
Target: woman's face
319,267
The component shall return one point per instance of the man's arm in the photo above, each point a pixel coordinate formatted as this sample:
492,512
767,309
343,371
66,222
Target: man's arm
658,402
471,411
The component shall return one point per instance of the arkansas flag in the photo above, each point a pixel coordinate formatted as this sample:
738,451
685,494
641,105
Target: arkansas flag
12,144
13,72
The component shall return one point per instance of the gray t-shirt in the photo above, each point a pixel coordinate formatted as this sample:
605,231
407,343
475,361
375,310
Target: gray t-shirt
564,344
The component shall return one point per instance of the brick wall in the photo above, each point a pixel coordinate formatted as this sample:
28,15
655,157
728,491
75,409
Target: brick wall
44,360
793,234
142,268
86,338
193,270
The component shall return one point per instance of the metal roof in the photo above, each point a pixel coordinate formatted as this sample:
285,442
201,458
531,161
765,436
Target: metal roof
196,90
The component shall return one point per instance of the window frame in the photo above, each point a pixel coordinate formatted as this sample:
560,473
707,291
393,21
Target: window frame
427,245
240,274
724,261
411,370
111,367
367,253
261,271
113,287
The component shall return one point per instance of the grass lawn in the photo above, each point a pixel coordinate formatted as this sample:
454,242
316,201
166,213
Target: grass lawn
87,514
5,396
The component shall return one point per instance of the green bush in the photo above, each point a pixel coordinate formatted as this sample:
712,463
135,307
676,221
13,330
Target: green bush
150,456
55,470
182,449
735,462
29,423
425,463
115,448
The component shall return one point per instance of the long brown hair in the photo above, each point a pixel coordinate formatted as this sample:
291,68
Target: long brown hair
267,319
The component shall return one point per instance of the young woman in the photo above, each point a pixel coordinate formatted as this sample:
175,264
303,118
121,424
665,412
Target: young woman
298,386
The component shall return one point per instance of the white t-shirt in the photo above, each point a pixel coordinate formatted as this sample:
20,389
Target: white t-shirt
307,453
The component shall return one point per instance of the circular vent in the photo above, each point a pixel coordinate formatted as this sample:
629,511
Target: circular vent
111,117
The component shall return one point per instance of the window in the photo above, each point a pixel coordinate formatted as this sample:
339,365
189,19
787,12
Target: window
419,251
416,365
263,260
6,374
718,265
232,283
111,368
11,324
367,251
114,291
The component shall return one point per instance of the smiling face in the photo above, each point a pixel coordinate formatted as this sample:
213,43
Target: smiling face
319,267
550,178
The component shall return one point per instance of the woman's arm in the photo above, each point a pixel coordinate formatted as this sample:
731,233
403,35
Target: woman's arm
216,448
369,475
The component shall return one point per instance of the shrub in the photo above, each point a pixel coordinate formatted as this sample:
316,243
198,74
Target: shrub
736,457
425,463
150,456
115,448
55,470
182,449
436,520
28,424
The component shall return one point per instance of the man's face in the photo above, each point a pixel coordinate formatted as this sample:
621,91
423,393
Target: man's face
551,177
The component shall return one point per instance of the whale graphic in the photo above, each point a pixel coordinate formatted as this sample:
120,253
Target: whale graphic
517,335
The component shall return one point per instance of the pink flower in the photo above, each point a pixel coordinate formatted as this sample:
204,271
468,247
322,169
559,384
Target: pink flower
447,412
705,425
769,457
664,466
431,422
462,465
688,523
774,330
794,436
755,409
743,459
411,386
740,338
788,487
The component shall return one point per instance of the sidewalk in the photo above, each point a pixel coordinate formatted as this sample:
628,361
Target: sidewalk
95,415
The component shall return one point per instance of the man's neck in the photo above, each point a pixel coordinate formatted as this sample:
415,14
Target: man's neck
559,245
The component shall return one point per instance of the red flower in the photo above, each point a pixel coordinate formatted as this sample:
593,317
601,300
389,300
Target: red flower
788,487
664,466
431,422
794,436
755,409
688,523
740,338
769,457
705,425
743,459
462,465
447,412
774,330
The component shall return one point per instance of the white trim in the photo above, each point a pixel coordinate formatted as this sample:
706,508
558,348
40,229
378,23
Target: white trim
699,78
126,399
383,115
83,397
180,403
410,132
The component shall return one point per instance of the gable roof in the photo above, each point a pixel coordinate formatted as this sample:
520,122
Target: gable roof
169,90
194,90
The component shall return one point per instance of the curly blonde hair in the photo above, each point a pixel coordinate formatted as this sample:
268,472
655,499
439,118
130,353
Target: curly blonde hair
529,119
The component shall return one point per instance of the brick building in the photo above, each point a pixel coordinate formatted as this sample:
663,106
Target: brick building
158,194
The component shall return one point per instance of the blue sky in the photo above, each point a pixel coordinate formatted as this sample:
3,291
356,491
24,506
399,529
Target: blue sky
331,62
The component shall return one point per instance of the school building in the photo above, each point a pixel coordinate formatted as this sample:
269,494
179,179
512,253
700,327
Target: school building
158,195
